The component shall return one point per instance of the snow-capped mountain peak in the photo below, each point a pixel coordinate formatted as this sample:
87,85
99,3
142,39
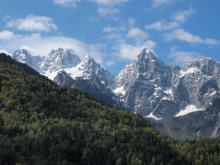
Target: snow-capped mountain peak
59,59
4,51
24,56
146,54
85,69
89,62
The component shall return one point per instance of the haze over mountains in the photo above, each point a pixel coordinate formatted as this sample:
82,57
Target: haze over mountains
147,86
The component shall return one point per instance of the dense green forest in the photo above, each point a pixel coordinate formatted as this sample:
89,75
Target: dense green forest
43,123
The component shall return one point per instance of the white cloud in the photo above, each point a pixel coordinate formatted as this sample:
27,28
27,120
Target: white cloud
32,24
109,63
127,40
181,16
38,44
114,30
137,34
66,3
131,22
109,2
182,35
182,57
176,20
107,11
108,8
159,3
109,29
159,25
6,35
130,51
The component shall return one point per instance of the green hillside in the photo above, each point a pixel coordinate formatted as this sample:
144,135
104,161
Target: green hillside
43,123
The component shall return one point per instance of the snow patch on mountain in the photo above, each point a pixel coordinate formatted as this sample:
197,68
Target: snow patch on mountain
77,72
51,74
152,116
213,93
119,91
188,109
189,71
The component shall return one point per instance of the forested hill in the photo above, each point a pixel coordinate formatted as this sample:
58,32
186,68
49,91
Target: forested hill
42,123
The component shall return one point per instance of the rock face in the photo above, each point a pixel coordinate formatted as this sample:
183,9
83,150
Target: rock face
60,59
90,77
24,56
147,86
156,90
197,83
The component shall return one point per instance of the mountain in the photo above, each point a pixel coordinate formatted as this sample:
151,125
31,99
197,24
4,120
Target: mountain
178,100
43,123
158,91
58,60
26,57
145,85
163,93
66,68
90,77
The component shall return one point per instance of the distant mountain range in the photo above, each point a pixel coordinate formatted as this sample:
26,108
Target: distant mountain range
147,86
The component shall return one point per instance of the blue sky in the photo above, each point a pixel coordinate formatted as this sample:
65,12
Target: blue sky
113,31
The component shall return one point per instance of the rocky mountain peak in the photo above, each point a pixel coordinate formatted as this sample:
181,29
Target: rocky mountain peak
206,66
60,59
146,54
24,56
88,61
147,61
89,66
199,62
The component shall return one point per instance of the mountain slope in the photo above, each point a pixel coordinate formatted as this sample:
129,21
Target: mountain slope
42,123
196,125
